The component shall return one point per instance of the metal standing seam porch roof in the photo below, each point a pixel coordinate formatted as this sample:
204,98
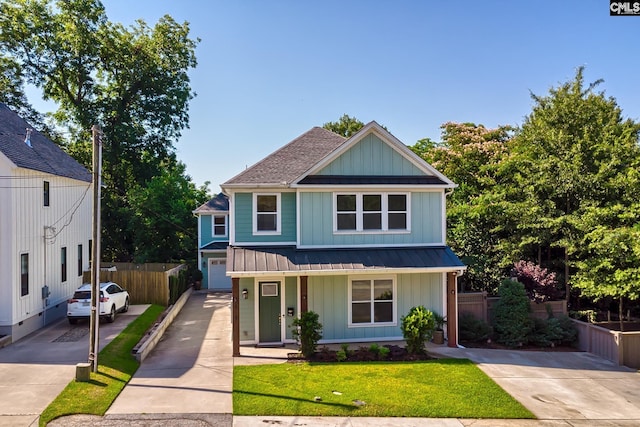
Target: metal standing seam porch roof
253,261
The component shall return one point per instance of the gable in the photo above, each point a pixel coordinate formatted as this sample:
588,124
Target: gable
371,156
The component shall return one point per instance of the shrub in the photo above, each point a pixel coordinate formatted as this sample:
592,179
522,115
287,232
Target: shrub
540,284
473,329
417,328
511,321
384,353
307,331
553,331
341,355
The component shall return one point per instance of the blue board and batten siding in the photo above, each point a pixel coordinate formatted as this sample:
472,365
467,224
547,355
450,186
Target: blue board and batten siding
316,223
371,156
244,220
206,230
328,296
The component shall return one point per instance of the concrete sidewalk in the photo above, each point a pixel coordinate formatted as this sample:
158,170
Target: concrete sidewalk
187,381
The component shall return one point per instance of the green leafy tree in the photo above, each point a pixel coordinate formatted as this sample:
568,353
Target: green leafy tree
132,81
471,156
571,154
610,266
346,126
163,219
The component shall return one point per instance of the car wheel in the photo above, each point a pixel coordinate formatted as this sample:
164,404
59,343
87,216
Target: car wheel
126,306
112,316
72,321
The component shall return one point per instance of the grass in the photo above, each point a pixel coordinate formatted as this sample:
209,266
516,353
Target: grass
116,366
444,388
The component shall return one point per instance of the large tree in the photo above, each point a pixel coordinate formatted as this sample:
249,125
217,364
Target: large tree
346,126
131,81
571,154
471,155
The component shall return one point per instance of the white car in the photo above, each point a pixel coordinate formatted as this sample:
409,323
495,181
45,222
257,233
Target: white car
113,299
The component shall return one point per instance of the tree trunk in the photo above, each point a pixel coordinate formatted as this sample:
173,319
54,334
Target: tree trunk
566,275
620,315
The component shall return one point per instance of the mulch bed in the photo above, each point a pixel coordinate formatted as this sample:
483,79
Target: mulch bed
361,354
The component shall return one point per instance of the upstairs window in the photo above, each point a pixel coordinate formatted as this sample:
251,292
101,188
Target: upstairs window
266,217
45,193
371,212
24,275
219,225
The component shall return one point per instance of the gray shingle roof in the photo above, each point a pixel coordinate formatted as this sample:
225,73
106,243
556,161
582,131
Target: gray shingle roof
43,155
220,203
247,261
292,160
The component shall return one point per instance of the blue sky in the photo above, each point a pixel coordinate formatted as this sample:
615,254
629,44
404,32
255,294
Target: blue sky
271,69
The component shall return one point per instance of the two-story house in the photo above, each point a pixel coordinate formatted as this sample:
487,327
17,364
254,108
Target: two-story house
45,227
213,239
353,229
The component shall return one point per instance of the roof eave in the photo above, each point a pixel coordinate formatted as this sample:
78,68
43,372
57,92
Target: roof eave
342,272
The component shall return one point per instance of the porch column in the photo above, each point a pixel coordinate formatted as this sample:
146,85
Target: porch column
304,304
452,310
235,315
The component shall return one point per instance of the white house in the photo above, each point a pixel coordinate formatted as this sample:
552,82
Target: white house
45,227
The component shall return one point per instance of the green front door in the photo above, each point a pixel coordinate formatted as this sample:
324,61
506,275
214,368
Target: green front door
270,314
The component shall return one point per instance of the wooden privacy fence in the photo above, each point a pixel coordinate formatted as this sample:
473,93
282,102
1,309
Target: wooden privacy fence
482,307
622,348
146,283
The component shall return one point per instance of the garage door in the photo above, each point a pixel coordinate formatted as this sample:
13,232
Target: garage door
218,275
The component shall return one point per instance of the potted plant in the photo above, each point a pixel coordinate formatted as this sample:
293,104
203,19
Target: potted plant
438,333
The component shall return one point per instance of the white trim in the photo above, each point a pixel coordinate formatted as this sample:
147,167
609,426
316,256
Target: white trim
443,220
375,245
232,222
342,272
359,340
394,301
269,284
213,225
278,214
266,244
384,213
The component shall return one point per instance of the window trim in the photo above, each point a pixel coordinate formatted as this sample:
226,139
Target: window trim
278,213
371,279
24,275
213,225
384,212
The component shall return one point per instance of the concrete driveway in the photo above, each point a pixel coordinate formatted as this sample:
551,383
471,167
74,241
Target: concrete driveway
35,369
561,385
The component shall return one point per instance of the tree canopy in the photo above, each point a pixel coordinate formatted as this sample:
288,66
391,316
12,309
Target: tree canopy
132,81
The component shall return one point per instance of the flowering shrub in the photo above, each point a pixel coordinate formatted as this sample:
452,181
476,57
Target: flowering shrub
540,284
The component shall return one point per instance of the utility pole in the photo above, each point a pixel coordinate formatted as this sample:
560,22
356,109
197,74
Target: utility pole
94,335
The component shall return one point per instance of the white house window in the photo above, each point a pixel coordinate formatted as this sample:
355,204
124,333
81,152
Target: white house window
24,274
371,212
45,193
372,302
219,225
266,218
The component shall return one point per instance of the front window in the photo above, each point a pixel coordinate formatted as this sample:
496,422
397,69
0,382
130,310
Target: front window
266,219
24,274
219,225
369,212
372,302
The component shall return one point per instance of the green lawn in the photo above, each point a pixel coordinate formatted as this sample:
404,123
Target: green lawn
443,388
116,366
